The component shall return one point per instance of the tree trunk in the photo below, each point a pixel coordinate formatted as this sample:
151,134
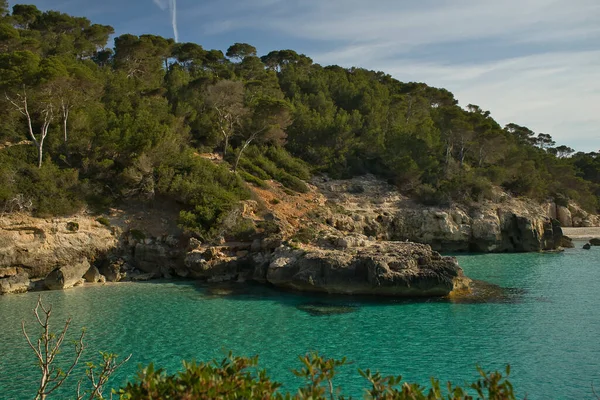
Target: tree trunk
40,155
237,159
225,147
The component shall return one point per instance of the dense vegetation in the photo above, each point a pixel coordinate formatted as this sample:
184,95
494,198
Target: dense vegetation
239,378
85,124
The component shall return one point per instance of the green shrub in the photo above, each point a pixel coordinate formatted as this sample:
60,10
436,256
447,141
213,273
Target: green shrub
248,166
305,234
53,191
137,234
268,227
430,196
291,182
288,163
103,221
72,226
207,191
240,378
253,179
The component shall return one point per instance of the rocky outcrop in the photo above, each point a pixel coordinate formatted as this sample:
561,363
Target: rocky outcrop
379,211
19,283
37,245
156,258
572,215
67,276
377,268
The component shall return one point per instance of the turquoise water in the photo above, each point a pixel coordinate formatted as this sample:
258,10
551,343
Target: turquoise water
548,330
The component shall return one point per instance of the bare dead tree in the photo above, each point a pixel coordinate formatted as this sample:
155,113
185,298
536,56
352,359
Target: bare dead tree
21,103
268,124
227,99
98,381
47,347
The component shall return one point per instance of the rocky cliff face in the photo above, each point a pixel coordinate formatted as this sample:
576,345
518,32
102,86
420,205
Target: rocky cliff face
31,248
369,206
342,237
381,268
56,254
571,216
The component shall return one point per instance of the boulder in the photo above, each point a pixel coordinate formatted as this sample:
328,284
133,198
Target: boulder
563,215
567,242
114,270
15,284
378,268
67,276
587,246
211,264
595,242
92,275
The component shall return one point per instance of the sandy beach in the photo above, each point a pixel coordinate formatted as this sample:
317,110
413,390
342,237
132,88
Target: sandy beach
582,233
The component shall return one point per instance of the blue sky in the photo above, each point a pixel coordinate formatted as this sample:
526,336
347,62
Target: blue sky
532,62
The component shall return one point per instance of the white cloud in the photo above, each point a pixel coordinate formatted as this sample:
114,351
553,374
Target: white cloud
547,76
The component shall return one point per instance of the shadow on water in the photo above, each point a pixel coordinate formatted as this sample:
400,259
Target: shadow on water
323,304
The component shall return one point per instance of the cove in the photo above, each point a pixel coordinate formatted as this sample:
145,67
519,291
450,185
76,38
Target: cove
546,327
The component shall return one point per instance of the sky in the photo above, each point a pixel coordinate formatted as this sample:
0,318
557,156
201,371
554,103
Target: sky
531,62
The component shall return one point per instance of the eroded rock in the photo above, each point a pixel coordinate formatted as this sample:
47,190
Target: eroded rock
15,284
67,276
378,268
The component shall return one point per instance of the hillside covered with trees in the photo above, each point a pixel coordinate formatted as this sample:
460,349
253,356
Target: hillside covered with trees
84,124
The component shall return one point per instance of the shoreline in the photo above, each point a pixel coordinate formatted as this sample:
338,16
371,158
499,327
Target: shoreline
582,233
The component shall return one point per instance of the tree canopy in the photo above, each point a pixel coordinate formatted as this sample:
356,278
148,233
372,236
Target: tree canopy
82,123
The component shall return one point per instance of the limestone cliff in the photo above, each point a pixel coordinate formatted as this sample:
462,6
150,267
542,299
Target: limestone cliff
370,206
31,248
571,215
344,236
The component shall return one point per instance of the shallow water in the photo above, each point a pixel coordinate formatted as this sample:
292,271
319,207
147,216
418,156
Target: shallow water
549,330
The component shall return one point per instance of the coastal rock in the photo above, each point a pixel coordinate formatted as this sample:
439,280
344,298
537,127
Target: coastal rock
595,242
378,268
505,225
563,215
212,265
92,275
587,246
158,259
567,242
37,245
7,272
67,276
15,284
114,270
583,219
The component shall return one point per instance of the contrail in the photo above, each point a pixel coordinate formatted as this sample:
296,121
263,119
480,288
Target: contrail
172,5
174,19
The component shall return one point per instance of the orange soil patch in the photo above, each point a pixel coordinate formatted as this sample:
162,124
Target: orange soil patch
292,208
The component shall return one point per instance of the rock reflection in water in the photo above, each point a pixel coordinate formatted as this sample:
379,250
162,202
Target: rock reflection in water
322,309
485,292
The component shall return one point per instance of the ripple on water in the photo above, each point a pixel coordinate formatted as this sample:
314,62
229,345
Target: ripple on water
546,327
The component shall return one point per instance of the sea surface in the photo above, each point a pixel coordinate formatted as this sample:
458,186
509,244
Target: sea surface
547,328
